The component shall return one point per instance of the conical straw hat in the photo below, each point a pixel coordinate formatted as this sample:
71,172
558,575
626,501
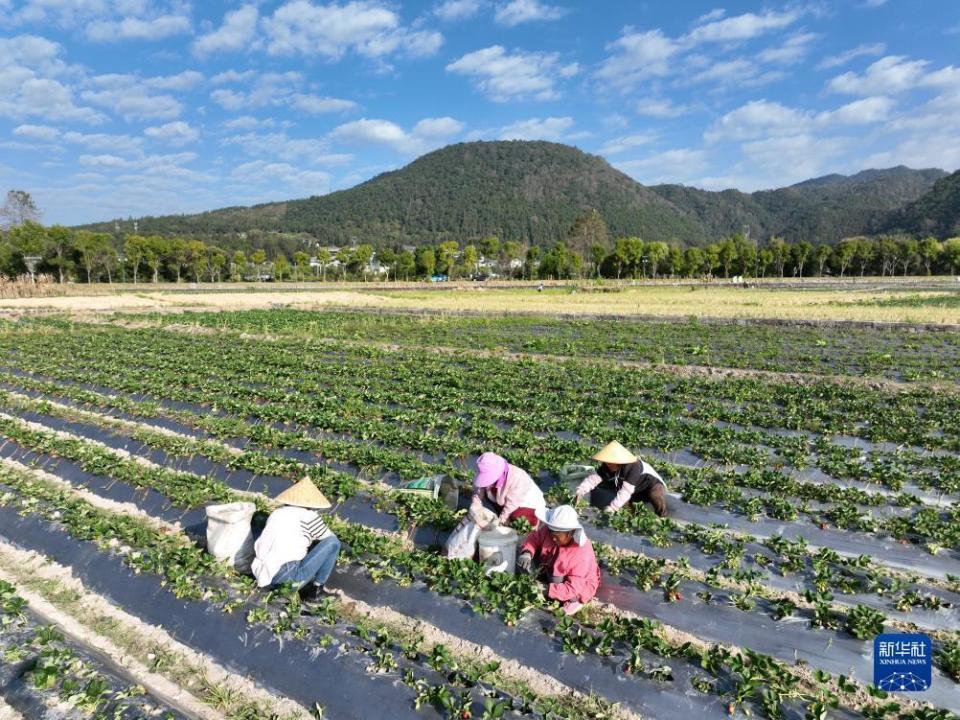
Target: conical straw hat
304,494
614,452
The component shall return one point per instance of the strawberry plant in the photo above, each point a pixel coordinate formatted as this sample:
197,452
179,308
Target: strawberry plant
947,657
864,622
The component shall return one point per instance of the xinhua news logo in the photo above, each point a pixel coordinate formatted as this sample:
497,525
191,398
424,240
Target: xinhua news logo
902,662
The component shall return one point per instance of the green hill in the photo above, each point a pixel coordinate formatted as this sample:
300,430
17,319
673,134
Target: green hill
823,209
533,191
935,213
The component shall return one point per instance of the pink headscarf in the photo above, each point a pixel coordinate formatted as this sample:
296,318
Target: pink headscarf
491,468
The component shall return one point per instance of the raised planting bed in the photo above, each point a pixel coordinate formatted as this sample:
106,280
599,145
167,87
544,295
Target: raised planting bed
359,509
898,354
46,676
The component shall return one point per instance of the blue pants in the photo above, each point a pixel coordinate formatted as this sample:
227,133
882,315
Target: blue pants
316,565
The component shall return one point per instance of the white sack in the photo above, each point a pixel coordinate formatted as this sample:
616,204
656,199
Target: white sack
229,537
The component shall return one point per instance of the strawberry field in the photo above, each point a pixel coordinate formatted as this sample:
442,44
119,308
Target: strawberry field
814,477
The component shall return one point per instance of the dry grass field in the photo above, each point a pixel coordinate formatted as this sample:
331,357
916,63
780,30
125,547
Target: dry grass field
910,300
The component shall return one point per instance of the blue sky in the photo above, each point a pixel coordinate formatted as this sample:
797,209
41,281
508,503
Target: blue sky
117,108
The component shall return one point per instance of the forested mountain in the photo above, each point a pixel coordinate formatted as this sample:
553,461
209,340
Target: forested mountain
534,191
935,213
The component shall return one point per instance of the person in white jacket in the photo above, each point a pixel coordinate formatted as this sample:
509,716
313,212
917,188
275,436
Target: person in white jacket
507,490
296,546
621,478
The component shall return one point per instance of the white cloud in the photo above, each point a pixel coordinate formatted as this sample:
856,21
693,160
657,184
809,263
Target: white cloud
515,12
437,128
792,158
33,82
504,76
777,162
237,33
268,89
551,128
105,141
299,181
757,118
670,166
367,28
248,122
317,105
617,145
792,50
37,132
279,146
63,13
229,99
937,148
128,97
454,10
859,112
936,115
948,77
29,50
174,134
276,90
46,98
637,56
132,28
187,80
714,14
741,27
892,74
158,163
615,122
738,72
232,76
660,108
843,58
426,134
761,119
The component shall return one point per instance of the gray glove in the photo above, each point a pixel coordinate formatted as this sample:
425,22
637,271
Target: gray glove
557,579
525,562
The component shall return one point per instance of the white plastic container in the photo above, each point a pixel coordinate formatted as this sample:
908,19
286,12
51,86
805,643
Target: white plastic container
498,549
228,533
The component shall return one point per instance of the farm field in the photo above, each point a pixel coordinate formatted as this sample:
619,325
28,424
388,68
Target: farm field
814,477
910,300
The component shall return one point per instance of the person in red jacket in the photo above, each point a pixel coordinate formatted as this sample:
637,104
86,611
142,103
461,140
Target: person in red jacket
560,552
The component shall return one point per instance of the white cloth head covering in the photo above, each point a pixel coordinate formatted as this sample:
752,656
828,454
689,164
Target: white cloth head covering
563,518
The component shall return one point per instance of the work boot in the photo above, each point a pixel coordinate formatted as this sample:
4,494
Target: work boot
312,593
571,607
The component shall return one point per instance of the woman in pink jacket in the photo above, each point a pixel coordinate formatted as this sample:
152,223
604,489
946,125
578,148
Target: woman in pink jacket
560,552
510,490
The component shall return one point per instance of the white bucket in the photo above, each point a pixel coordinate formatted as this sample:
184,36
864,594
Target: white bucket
498,549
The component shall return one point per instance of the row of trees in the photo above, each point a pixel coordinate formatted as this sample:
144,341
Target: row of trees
737,256
94,257
587,251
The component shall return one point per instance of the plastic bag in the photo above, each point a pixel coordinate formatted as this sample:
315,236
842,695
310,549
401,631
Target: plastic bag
572,475
425,486
575,473
462,543
229,536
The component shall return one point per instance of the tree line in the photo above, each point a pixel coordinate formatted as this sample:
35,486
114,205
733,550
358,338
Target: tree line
27,246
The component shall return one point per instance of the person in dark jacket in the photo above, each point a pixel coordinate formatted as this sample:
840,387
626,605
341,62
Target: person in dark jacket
622,478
